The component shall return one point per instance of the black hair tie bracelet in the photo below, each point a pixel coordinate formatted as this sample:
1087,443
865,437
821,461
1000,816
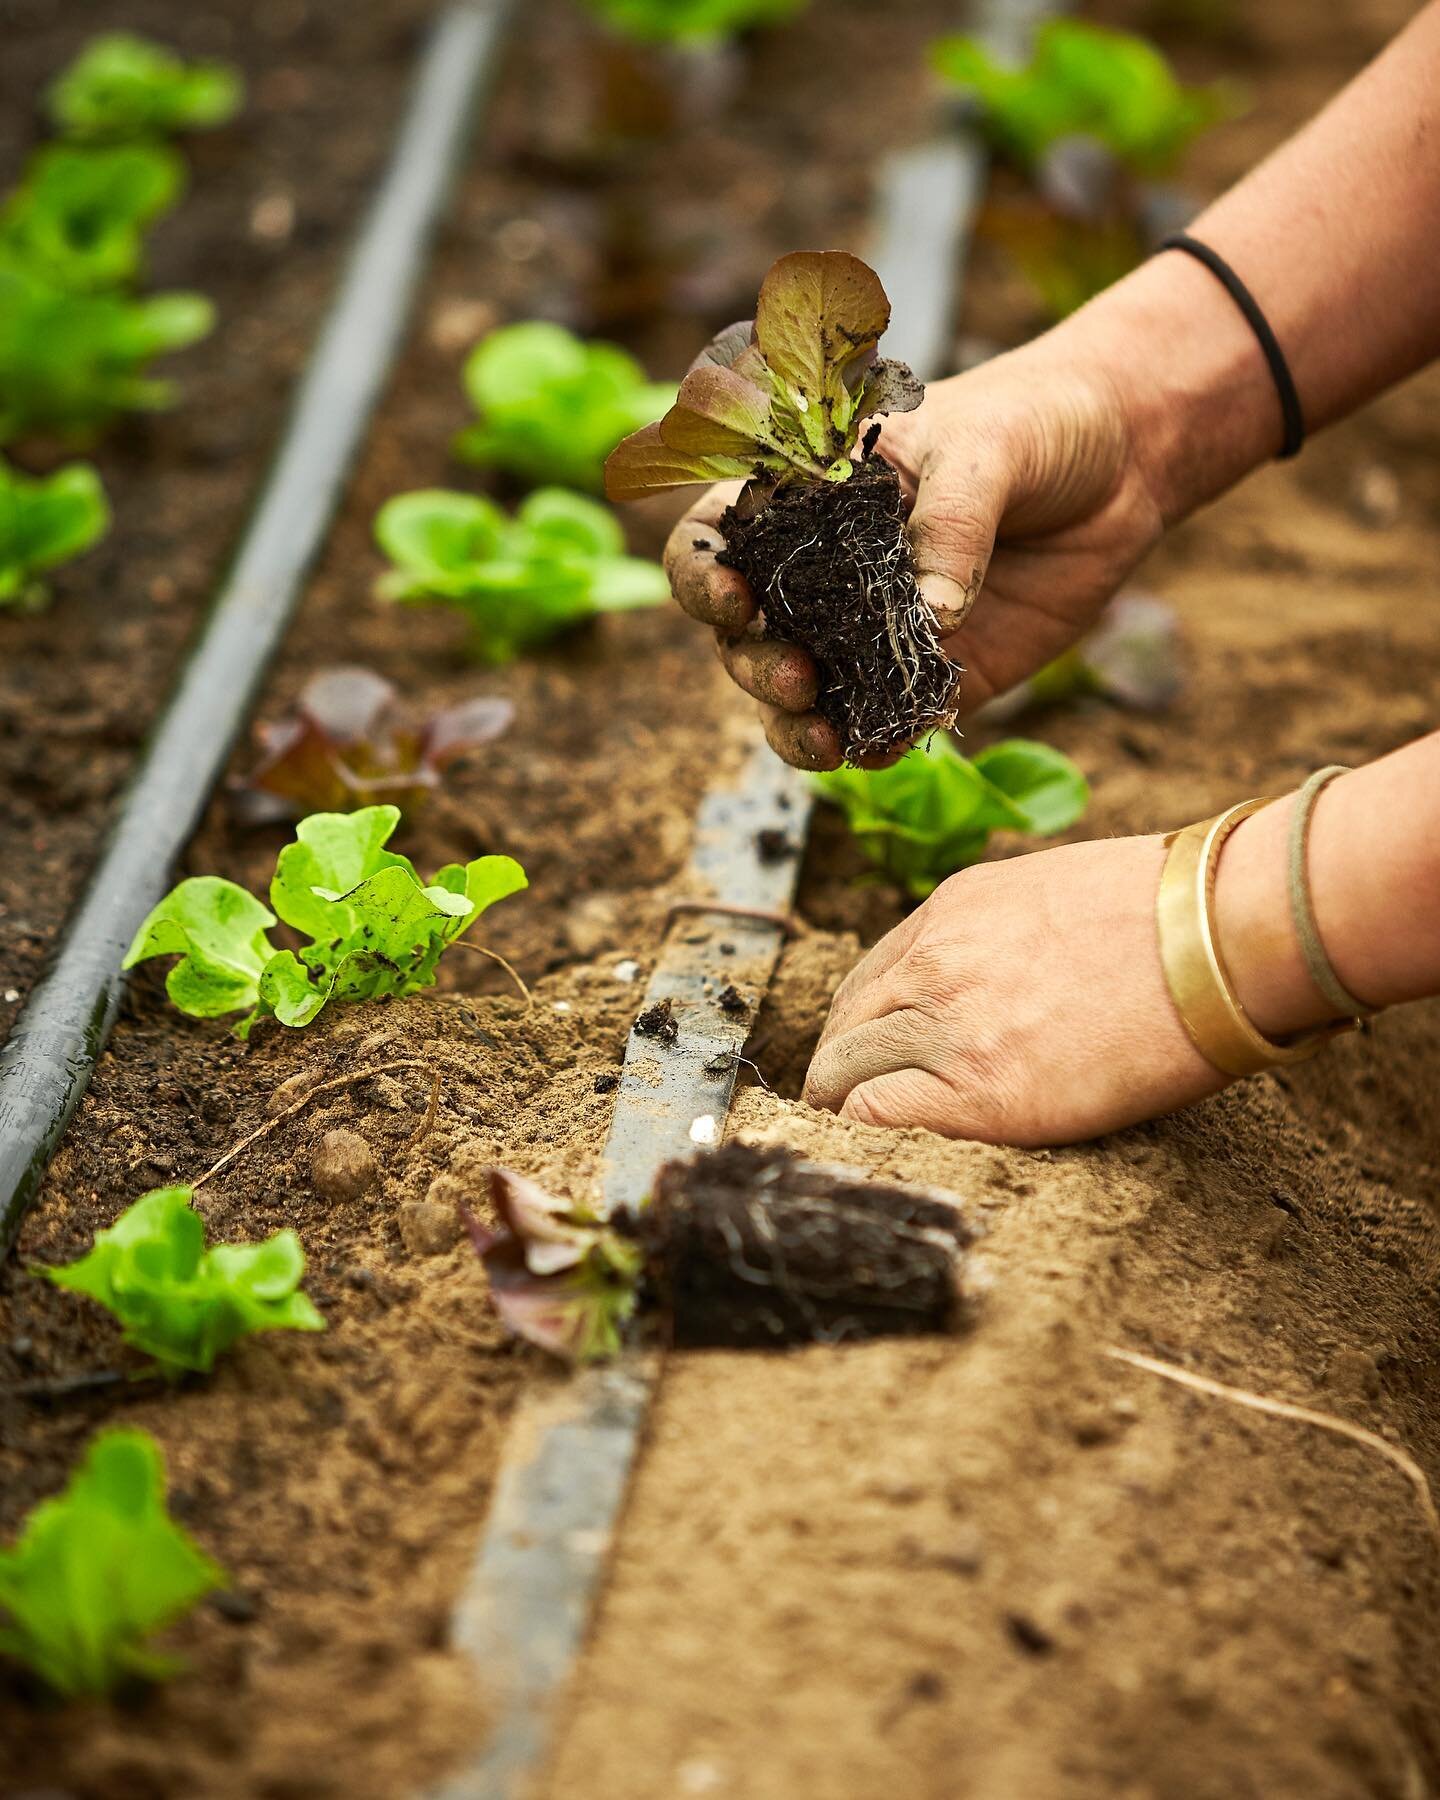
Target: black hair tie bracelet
1290,412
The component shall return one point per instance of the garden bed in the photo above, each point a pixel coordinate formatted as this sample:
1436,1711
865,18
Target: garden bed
999,1565
342,1479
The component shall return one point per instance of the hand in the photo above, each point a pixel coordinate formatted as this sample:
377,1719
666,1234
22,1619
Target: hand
1028,505
1023,1003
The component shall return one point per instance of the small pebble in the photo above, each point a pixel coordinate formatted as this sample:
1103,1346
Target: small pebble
428,1227
624,971
343,1167
704,1130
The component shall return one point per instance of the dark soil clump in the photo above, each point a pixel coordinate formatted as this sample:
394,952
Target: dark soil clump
658,1022
754,1248
832,568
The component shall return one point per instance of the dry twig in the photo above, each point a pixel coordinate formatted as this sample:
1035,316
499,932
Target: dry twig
426,1125
338,1081
496,957
1303,1415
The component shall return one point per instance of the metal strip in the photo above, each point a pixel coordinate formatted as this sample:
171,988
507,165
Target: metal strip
566,1464
45,1065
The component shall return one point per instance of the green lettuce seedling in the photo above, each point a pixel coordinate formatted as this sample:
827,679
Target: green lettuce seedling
125,87
79,215
552,407
99,1569
70,362
784,397
45,521
375,930
690,21
179,1302
933,811
1083,81
558,562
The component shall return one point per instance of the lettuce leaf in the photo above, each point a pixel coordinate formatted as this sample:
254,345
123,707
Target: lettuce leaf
180,1303
690,21
374,928
79,215
99,1569
782,398
123,87
933,811
552,407
44,522
519,581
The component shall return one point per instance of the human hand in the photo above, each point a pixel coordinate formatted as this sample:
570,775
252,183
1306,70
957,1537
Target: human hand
1028,506
1023,1003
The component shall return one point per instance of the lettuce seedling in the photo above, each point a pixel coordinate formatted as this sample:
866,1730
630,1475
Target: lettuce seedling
690,21
350,743
45,521
558,562
375,930
122,87
1083,81
179,1302
99,1569
70,362
819,531
552,407
79,215
559,1275
933,811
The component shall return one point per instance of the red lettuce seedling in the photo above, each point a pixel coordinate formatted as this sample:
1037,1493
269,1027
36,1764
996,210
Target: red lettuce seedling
351,743
559,1276
819,531
97,1570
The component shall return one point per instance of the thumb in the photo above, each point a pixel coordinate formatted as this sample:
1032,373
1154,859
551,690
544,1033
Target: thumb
959,502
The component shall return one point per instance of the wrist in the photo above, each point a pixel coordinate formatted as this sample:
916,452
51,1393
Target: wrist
1189,378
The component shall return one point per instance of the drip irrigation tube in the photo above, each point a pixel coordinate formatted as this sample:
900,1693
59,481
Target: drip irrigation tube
46,1064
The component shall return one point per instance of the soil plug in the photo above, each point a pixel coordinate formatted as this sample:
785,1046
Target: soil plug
791,402
753,1248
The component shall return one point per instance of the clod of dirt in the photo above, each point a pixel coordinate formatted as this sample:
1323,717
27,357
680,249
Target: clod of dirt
343,1167
773,845
832,568
731,1000
607,1082
658,1022
428,1227
752,1247
291,1090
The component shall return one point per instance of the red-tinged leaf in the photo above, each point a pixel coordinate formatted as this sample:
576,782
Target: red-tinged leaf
890,387
351,743
545,1310
718,412
726,347
545,1225
818,311
645,463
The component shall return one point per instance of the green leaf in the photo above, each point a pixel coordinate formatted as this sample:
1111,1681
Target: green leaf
79,214
218,931
520,580
646,464
178,1302
124,87
98,1570
374,929
69,362
552,407
45,522
1083,80
933,811
690,21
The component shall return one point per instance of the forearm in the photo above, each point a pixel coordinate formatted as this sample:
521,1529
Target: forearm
1374,868
1335,236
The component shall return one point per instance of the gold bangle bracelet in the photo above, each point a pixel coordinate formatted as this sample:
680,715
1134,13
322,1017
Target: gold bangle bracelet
1195,970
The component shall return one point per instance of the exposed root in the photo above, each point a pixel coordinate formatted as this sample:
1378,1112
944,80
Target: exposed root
427,1124
323,1087
69,1387
510,970
787,922
1304,1415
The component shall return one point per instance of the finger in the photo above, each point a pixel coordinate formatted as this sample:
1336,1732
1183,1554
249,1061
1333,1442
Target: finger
804,740
958,506
883,1046
873,986
704,587
910,1097
779,675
